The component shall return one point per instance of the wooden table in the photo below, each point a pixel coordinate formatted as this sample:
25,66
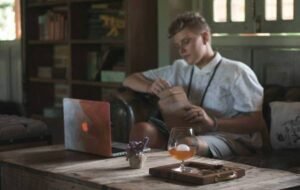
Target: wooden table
53,168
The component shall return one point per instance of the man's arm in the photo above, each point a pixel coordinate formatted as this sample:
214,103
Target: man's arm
242,124
248,123
137,82
140,83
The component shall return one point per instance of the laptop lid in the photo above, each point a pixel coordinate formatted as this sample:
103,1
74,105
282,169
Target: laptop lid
87,127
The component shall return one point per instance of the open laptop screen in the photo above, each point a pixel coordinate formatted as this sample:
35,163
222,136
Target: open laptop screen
87,126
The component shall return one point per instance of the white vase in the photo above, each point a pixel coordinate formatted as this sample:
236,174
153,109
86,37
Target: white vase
137,161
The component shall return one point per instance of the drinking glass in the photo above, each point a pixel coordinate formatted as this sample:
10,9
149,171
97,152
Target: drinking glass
182,145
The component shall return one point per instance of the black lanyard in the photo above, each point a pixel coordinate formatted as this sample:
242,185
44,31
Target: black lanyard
208,84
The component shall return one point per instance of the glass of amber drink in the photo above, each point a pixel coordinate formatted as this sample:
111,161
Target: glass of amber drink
182,145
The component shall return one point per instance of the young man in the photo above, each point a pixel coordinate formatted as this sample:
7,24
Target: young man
214,84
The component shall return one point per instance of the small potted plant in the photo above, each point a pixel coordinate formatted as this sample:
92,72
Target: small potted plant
135,153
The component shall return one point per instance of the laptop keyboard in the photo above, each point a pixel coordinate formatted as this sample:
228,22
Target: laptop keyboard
117,150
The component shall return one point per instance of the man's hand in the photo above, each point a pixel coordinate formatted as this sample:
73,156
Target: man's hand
196,114
158,86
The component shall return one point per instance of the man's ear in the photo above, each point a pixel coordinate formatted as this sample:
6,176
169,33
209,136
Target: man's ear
205,37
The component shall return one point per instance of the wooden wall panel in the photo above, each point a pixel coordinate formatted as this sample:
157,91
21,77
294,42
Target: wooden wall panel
277,66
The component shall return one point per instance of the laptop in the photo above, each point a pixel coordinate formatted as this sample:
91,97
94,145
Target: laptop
87,127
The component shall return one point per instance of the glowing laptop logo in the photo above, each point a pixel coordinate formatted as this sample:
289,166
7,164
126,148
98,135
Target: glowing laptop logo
85,127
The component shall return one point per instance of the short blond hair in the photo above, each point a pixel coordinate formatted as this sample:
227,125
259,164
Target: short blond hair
192,20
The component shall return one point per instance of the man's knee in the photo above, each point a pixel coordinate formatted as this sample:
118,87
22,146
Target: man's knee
142,129
203,148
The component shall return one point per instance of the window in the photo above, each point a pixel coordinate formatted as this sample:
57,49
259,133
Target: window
253,16
287,10
271,10
237,11
9,20
220,10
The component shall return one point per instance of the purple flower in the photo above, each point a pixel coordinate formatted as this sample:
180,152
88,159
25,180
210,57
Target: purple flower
136,147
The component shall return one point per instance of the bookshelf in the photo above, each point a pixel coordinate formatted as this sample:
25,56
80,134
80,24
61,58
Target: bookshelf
84,48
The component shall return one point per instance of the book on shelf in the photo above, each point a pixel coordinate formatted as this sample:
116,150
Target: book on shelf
44,72
104,59
60,61
112,76
106,20
108,5
92,65
100,6
60,91
52,24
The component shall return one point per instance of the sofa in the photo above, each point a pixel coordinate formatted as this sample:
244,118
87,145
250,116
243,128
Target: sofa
17,131
129,107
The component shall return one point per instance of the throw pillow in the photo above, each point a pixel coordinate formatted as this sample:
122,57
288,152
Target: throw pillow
285,125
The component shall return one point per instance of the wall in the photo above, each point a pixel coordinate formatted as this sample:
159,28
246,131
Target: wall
163,42
10,71
274,59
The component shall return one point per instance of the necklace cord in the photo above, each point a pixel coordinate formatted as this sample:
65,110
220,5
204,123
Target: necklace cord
208,84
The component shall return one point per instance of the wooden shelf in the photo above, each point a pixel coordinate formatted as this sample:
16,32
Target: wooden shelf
43,80
66,39
47,42
47,4
86,1
99,84
103,41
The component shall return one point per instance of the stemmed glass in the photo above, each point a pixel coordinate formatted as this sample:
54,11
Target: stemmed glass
182,145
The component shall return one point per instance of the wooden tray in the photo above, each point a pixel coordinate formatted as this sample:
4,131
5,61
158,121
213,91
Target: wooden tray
201,174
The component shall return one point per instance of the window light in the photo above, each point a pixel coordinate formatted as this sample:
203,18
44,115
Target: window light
7,20
270,10
237,10
220,10
287,9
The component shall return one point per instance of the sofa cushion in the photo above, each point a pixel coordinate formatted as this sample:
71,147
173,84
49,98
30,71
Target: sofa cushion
285,125
15,127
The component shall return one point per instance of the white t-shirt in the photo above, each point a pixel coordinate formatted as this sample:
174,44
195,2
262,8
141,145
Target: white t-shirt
233,90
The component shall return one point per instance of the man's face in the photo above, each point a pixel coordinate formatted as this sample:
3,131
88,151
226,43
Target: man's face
190,45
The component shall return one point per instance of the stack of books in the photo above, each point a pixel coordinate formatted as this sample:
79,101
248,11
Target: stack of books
52,24
60,62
